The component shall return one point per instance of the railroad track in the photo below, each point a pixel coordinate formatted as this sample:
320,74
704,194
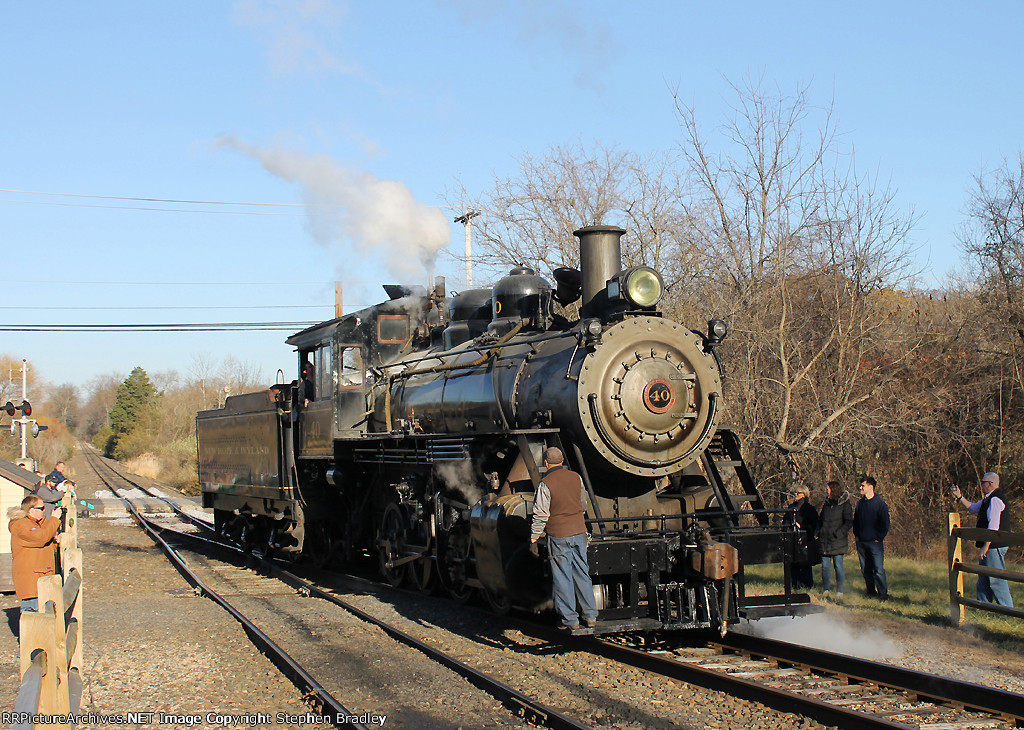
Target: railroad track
245,578
833,689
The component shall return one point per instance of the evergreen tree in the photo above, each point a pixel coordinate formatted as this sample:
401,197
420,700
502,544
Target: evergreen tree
134,406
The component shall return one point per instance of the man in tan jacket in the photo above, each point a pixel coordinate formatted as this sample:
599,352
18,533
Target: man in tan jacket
34,547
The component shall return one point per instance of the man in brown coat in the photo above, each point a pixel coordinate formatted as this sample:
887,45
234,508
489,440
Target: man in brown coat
558,511
33,546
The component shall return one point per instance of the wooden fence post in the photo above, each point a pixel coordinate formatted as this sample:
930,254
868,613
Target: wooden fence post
73,561
51,589
955,551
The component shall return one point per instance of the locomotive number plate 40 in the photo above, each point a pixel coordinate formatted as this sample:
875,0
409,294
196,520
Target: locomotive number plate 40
659,396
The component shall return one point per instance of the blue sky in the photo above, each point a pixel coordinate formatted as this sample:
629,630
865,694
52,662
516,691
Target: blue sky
258,101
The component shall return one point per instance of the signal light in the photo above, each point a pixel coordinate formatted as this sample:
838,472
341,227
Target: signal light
25,408
10,408
36,428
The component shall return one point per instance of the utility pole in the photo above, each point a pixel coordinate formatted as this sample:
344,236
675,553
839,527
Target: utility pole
467,220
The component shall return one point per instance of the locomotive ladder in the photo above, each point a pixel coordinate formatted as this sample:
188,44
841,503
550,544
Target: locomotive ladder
724,452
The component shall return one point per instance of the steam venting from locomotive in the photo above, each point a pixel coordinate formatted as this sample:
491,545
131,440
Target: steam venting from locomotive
349,205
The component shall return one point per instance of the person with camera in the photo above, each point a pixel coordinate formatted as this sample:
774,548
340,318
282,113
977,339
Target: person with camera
33,547
993,514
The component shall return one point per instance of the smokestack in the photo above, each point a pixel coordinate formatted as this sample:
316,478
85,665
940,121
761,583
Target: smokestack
600,260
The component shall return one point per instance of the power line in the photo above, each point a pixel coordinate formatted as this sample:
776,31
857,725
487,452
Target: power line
172,201
165,327
159,200
161,210
239,306
188,284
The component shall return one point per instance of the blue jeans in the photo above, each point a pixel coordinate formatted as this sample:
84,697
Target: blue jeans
994,590
32,604
570,578
872,566
827,562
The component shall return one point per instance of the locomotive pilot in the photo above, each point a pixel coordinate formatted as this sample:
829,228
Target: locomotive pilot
558,512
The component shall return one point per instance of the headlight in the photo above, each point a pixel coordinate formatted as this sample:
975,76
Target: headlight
643,286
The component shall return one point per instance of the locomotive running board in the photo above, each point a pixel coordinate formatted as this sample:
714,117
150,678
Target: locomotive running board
795,604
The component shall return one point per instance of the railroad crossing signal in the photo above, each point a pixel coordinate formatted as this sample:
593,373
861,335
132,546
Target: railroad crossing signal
33,429
25,408
24,425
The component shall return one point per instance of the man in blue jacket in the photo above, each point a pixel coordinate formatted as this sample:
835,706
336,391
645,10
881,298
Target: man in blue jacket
58,473
870,526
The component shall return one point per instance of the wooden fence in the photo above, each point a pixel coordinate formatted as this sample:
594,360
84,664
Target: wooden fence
957,602
50,641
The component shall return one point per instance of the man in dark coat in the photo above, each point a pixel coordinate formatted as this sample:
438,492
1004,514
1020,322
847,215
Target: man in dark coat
834,523
806,518
870,526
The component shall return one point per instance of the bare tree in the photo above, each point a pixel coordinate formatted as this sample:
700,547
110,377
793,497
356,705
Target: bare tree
993,239
95,413
529,219
63,404
804,256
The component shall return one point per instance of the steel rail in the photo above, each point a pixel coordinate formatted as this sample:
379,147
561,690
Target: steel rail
284,661
925,687
525,706
176,508
777,698
521,704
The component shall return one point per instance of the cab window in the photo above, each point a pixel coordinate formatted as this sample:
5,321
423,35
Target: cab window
351,369
324,372
392,328
320,360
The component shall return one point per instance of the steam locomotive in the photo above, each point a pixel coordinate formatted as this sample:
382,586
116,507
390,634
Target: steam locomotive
415,437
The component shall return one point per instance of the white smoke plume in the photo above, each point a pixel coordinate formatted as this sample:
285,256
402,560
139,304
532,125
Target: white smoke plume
347,206
822,631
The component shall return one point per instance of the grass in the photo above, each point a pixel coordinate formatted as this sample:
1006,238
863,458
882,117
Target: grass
918,591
